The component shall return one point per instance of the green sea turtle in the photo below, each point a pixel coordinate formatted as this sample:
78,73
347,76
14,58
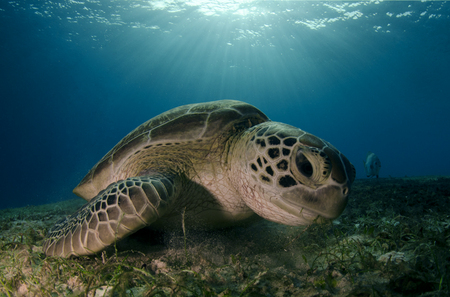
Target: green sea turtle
217,163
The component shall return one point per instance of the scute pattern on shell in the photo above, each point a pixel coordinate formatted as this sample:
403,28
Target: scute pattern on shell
184,124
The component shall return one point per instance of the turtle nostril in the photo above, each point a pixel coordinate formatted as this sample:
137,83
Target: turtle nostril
345,191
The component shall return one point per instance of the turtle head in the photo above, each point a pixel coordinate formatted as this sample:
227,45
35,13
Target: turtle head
289,176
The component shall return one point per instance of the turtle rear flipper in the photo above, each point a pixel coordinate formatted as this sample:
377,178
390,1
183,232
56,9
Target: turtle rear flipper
120,210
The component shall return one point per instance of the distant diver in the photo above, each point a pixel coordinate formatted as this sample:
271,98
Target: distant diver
372,165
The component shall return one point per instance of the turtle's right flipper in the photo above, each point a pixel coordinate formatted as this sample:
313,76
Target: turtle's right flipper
121,209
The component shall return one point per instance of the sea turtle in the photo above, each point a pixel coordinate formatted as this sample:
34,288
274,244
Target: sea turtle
216,163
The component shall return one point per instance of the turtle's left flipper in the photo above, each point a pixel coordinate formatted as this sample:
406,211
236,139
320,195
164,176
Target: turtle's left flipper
121,209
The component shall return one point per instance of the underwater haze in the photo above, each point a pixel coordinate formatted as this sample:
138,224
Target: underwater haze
77,76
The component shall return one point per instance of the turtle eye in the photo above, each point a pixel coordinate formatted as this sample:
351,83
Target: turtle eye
303,165
312,167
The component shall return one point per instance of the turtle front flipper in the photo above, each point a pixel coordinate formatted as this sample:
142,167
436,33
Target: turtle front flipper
120,210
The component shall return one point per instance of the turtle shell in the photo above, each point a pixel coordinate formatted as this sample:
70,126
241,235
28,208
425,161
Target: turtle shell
189,132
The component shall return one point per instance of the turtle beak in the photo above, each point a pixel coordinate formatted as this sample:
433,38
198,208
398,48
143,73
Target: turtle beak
328,202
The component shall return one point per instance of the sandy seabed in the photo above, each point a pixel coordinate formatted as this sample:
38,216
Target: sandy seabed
393,239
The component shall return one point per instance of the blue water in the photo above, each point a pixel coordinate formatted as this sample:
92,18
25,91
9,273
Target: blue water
76,76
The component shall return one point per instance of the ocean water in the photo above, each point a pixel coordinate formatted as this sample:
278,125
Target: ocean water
77,76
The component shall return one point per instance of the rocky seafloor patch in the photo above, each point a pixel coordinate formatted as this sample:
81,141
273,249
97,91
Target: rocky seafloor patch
392,240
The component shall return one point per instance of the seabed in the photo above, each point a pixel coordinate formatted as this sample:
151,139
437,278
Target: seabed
392,240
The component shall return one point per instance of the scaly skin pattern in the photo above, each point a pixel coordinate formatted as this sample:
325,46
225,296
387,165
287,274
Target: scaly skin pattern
289,176
119,210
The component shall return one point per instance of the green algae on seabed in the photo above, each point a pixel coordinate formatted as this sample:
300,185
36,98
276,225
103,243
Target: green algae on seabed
392,240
